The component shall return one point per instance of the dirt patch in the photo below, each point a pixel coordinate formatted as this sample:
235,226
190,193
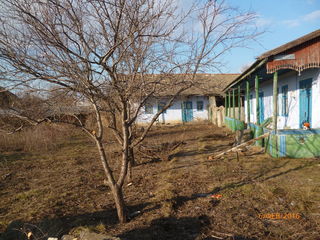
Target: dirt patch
188,197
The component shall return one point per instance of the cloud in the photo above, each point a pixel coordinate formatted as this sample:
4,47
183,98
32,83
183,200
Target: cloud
263,22
310,17
315,15
292,23
310,1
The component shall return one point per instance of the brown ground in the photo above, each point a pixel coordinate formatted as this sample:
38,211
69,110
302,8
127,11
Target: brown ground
62,189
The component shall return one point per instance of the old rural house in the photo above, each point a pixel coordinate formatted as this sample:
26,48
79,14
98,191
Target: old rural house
200,102
282,85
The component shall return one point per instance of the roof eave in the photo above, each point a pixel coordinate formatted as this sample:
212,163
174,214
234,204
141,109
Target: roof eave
258,63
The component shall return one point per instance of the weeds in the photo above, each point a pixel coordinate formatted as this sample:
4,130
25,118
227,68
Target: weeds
41,138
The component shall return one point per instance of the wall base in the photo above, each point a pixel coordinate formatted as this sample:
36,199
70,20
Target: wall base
286,143
234,124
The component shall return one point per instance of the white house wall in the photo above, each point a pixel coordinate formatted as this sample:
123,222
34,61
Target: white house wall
174,113
291,79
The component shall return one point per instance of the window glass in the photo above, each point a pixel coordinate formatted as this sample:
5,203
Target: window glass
199,105
285,108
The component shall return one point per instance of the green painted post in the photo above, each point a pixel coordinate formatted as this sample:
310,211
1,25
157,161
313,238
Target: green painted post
226,105
275,110
275,101
257,100
259,130
248,101
239,101
233,105
229,100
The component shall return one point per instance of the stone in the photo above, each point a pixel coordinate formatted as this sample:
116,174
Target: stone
68,237
87,235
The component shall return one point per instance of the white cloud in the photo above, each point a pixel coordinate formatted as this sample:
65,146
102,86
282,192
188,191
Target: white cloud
263,22
292,23
310,1
312,16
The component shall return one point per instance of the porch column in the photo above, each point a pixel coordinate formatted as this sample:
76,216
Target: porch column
259,130
233,104
257,100
229,102
226,105
239,102
248,101
275,102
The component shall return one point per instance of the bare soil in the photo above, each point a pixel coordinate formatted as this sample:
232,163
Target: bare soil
176,193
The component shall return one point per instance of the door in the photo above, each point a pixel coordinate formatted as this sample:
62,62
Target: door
187,114
261,108
305,98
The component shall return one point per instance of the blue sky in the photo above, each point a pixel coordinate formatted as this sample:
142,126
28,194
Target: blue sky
284,21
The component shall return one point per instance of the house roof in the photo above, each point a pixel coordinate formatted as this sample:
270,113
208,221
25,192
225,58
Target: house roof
204,84
291,44
268,56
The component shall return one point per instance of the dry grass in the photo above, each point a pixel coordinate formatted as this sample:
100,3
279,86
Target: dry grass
62,189
40,138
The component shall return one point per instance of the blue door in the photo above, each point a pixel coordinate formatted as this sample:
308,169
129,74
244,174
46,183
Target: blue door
261,108
187,114
305,100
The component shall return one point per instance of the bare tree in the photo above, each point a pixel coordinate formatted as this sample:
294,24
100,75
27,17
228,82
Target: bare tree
116,55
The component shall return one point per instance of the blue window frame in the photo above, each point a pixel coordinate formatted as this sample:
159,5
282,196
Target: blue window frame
285,107
199,105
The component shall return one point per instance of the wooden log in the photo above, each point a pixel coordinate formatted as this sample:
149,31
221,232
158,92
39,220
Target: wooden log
239,146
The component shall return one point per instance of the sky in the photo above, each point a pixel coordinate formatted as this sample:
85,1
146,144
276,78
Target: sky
283,20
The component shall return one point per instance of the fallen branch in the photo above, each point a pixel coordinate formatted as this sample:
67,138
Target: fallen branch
4,177
239,146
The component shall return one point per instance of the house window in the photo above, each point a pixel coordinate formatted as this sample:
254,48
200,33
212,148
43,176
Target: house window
199,105
161,106
285,108
148,109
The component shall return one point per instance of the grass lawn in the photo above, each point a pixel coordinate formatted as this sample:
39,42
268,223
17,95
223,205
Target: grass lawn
186,197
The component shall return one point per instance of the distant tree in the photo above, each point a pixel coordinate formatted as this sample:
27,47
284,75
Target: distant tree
245,67
116,55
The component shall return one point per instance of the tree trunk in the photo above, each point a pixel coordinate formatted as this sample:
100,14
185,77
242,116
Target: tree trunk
131,163
120,204
131,157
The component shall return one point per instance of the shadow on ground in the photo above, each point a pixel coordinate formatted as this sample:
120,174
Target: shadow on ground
56,227
260,177
185,228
